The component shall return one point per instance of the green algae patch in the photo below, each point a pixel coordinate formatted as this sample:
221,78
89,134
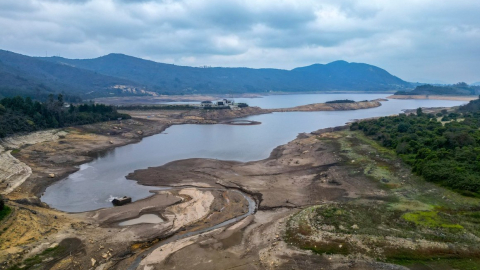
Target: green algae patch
430,219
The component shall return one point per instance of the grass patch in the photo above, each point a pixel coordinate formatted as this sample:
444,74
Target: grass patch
407,210
39,258
430,219
15,151
434,258
374,220
5,212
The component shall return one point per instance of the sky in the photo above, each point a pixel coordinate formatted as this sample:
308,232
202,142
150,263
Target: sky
428,41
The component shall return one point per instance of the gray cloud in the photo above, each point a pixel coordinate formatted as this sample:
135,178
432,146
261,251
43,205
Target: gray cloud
415,40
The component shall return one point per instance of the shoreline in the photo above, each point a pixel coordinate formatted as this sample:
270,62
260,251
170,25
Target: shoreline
434,97
167,120
96,140
160,99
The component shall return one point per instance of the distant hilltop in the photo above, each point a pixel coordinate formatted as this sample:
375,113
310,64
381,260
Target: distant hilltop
120,75
458,89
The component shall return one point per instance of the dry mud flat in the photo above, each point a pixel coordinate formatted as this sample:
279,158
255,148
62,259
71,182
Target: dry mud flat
307,171
328,192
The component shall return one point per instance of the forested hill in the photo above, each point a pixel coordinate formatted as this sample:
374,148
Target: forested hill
443,148
172,79
24,115
29,76
458,89
118,74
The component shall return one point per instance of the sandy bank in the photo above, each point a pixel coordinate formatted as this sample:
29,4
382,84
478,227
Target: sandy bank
331,107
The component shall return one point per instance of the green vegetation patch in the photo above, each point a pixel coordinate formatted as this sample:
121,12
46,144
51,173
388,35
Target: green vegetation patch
375,220
434,258
49,257
443,154
5,212
36,260
458,89
341,101
25,115
430,219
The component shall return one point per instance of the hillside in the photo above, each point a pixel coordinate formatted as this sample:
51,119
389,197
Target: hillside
172,79
118,74
24,75
459,89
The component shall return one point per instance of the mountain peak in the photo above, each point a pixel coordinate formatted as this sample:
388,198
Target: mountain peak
338,63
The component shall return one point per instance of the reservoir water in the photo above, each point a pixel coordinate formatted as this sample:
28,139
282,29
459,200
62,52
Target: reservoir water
97,182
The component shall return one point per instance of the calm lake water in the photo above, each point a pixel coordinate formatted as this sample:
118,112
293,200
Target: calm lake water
93,186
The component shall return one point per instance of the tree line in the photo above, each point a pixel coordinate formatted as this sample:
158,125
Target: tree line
458,89
447,153
18,114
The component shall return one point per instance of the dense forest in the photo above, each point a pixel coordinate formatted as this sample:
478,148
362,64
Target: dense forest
443,148
458,89
19,114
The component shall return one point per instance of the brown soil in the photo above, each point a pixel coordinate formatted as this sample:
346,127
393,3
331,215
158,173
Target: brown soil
303,172
306,171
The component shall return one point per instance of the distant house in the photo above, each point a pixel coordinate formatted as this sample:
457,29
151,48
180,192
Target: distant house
225,103
228,101
206,104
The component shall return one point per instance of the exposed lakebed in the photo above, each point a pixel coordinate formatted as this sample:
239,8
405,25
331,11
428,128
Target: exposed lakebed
147,218
93,186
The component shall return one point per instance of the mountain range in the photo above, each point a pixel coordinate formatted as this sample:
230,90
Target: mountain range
119,74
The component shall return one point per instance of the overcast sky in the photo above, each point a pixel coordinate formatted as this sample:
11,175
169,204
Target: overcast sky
416,40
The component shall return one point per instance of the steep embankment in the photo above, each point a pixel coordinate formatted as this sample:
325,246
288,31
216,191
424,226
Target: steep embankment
12,171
